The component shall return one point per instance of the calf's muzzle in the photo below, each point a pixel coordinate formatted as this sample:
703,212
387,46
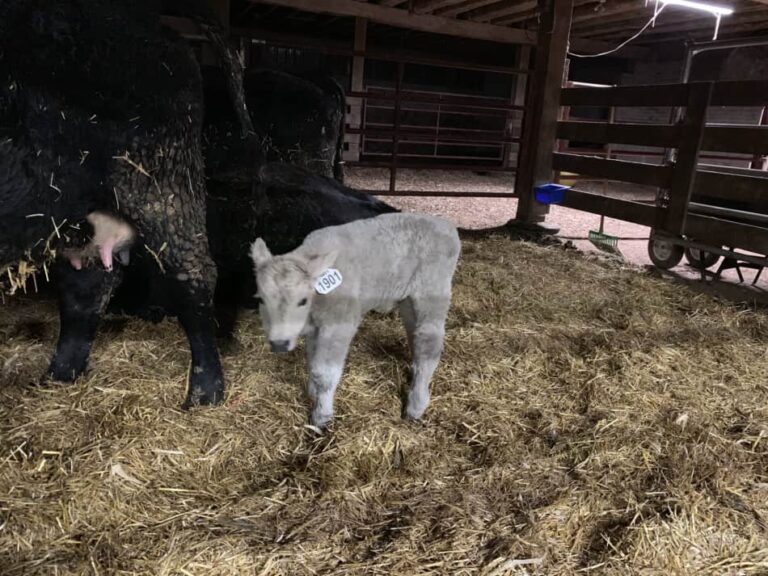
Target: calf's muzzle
279,345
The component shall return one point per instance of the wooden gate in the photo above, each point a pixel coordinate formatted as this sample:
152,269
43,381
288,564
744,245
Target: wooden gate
711,207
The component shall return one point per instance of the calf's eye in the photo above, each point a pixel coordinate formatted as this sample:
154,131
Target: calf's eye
303,302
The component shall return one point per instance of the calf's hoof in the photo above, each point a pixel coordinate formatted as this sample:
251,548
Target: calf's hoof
413,414
320,421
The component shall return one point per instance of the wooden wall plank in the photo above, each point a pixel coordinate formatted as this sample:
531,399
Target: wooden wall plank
744,192
403,19
737,139
663,95
644,214
637,134
623,171
718,232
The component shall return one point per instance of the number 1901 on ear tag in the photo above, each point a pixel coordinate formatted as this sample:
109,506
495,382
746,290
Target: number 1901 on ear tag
328,281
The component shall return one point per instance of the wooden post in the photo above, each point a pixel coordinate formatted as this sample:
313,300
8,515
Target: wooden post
355,117
760,161
542,105
684,173
514,123
560,146
396,127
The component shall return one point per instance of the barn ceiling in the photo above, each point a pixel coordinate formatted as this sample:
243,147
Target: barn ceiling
596,23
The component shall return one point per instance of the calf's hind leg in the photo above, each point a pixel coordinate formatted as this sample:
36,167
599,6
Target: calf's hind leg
327,349
424,321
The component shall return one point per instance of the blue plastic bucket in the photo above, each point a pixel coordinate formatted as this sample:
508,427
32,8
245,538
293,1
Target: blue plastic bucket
550,193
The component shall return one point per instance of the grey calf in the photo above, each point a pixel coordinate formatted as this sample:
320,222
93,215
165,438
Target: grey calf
406,260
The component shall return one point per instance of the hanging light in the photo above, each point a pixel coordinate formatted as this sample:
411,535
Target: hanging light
717,11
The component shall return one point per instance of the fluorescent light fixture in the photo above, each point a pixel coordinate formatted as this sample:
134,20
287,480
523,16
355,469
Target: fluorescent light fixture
703,6
714,9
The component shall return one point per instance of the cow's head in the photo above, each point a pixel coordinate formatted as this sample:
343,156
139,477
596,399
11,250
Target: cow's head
286,286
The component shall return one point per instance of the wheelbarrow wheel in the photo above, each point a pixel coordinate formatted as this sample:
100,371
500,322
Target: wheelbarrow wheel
701,259
664,254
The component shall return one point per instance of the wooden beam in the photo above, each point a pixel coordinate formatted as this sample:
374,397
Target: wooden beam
664,95
621,170
511,17
428,6
588,12
625,21
680,22
748,190
497,9
737,139
402,19
740,93
385,53
726,233
462,7
524,11
589,46
732,33
657,135
543,106
644,214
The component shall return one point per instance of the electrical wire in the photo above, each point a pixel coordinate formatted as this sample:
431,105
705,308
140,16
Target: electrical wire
627,41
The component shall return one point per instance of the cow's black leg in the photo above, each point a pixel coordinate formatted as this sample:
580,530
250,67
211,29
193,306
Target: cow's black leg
169,212
83,295
205,382
227,303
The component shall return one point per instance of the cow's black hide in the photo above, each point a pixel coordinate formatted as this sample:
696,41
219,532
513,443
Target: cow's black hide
299,120
298,202
101,109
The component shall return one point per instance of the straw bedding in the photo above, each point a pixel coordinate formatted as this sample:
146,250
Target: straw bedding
586,419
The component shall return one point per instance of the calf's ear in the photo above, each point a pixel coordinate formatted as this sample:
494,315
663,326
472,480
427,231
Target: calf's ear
260,253
319,263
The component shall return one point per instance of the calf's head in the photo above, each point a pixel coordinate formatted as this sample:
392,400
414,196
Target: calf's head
286,286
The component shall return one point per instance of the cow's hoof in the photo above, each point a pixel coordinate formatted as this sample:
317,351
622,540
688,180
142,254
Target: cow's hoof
198,396
60,373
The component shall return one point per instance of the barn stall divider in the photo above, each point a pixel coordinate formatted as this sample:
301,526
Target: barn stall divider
717,209
378,115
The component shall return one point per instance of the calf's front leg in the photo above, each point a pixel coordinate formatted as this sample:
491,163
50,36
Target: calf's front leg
327,349
425,324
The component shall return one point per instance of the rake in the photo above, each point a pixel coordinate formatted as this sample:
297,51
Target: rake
604,242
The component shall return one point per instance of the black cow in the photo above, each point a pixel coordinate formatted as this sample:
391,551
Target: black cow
297,202
101,109
299,120
300,125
